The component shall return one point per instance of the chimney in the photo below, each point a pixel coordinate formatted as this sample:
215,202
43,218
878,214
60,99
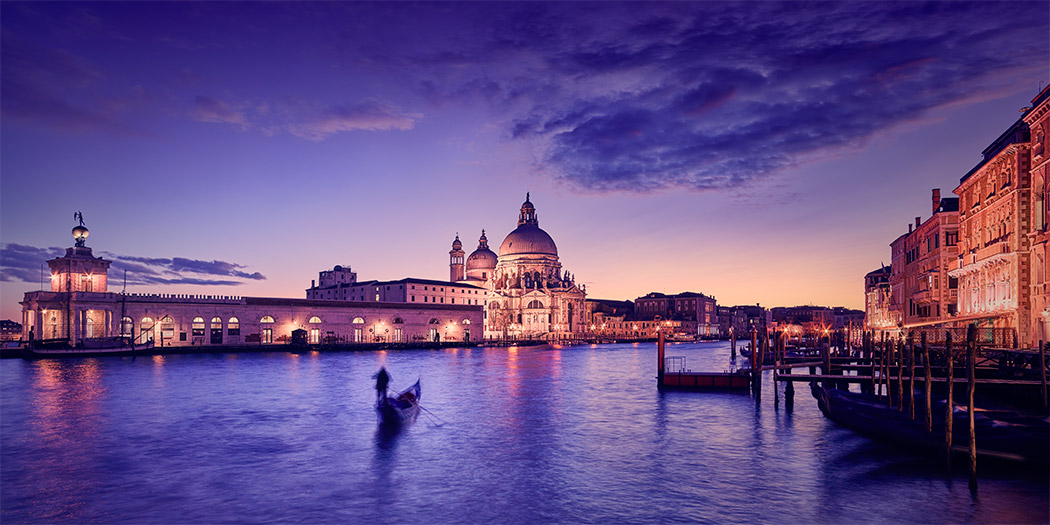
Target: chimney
936,199
917,223
909,228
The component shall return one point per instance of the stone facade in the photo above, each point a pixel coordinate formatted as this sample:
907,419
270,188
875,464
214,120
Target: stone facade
1038,120
530,295
697,311
919,279
877,314
79,309
994,245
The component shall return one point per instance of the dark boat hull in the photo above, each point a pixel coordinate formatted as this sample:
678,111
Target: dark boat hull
999,434
399,410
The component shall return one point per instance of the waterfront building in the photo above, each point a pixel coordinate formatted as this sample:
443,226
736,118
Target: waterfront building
79,308
602,314
993,266
530,295
408,290
877,314
10,330
808,319
1038,121
697,312
921,291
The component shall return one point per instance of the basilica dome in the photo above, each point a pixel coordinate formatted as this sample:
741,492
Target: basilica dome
528,237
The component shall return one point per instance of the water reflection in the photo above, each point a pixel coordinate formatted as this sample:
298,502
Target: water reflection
533,434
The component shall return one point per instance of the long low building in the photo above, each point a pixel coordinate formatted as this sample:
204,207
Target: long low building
79,308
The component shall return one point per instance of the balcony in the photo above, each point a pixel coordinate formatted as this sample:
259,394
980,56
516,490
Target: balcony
995,248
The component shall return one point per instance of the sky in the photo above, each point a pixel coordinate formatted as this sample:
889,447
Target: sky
754,151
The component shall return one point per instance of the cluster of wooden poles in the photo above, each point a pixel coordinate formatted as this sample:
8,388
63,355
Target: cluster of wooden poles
890,364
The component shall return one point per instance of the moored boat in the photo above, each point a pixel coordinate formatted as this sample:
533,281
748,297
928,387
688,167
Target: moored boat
1001,434
98,347
402,409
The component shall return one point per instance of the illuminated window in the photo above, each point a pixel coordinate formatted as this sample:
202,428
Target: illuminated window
145,329
167,327
359,320
198,326
314,320
86,283
233,326
358,335
89,329
398,320
466,321
267,332
315,336
126,327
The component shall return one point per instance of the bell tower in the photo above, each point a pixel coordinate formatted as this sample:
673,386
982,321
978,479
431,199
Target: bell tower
455,261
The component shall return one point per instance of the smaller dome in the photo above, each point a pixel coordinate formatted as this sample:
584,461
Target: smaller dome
481,258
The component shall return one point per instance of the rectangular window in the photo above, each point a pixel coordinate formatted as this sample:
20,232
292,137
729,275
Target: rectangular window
182,336
267,335
413,298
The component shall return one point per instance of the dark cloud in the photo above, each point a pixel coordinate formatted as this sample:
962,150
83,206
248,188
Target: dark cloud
705,96
21,263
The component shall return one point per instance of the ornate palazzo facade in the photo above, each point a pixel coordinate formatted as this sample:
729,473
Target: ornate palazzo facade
994,222
1038,120
531,296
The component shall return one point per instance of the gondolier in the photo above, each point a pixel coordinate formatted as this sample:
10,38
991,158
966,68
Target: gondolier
382,380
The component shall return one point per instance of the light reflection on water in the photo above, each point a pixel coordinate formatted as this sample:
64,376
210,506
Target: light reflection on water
572,434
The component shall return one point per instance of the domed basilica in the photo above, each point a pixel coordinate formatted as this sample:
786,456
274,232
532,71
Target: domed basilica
531,296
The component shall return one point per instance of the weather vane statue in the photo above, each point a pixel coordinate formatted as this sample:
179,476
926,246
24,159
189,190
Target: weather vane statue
80,233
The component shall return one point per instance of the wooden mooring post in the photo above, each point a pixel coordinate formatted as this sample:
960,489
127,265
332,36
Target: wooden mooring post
732,343
971,360
882,365
1042,370
911,377
776,367
949,367
927,384
900,374
756,367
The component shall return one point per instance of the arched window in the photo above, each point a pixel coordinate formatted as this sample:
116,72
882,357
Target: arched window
359,320
266,335
146,330
233,326
314,320
398,320
126,327
167,327
198,327
89,328
535,303
435,321
466,321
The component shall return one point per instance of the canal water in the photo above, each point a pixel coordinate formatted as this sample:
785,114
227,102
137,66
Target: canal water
520,435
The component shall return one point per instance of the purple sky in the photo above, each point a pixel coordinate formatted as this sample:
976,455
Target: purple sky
753,151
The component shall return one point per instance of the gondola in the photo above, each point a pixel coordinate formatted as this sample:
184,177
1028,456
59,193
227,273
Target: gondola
1009,435
399,410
